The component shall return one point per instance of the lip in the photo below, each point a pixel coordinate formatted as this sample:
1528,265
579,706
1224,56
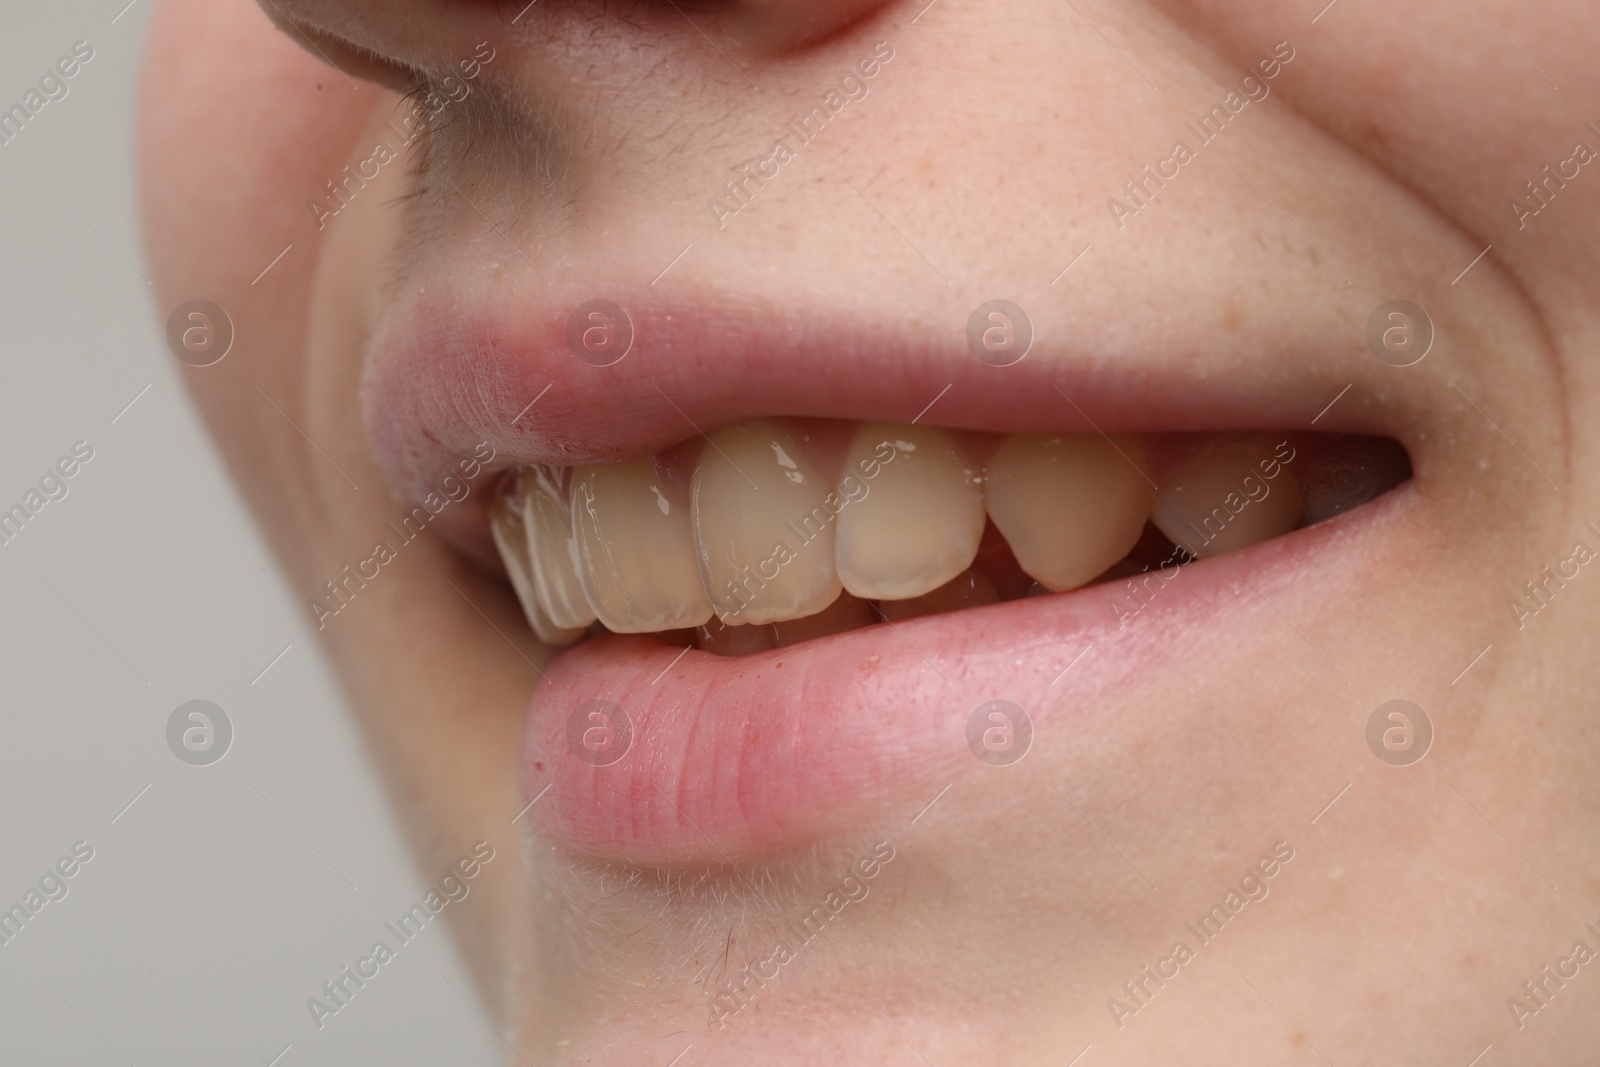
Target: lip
449,376
740,757
745,757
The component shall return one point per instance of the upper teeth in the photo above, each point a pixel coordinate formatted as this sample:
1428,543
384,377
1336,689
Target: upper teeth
636,549
764,526
553,551
512,537
768,526
918,523
1232,495
1069,506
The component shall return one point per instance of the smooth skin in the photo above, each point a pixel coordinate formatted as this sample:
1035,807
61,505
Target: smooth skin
1389,147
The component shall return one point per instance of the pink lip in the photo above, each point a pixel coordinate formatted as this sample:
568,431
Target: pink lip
735,758
450,377
738,757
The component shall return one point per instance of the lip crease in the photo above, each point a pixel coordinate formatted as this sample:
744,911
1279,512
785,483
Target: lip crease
735,758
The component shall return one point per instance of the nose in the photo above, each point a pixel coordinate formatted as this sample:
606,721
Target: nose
391,41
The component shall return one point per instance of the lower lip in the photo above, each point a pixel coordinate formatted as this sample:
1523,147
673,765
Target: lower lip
734,758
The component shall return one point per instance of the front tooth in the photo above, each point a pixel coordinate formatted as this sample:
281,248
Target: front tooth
1069,506
636,545
553,550
1234,494
511,538
912,512
763,527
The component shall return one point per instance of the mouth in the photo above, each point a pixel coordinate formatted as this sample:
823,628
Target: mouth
779,622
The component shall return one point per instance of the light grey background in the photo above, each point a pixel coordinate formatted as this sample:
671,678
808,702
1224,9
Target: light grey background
221,900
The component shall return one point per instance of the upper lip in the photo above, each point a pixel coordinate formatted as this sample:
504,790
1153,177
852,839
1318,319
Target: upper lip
447,377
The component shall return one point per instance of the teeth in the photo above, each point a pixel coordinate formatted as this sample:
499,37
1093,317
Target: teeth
511,537
1070,507
1233,495
912,515
967,590
636,546
553,550
763,526
752,550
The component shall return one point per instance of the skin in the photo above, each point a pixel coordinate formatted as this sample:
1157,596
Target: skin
1412,909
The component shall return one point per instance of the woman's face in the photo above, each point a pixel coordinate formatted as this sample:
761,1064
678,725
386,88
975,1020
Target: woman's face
902,524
